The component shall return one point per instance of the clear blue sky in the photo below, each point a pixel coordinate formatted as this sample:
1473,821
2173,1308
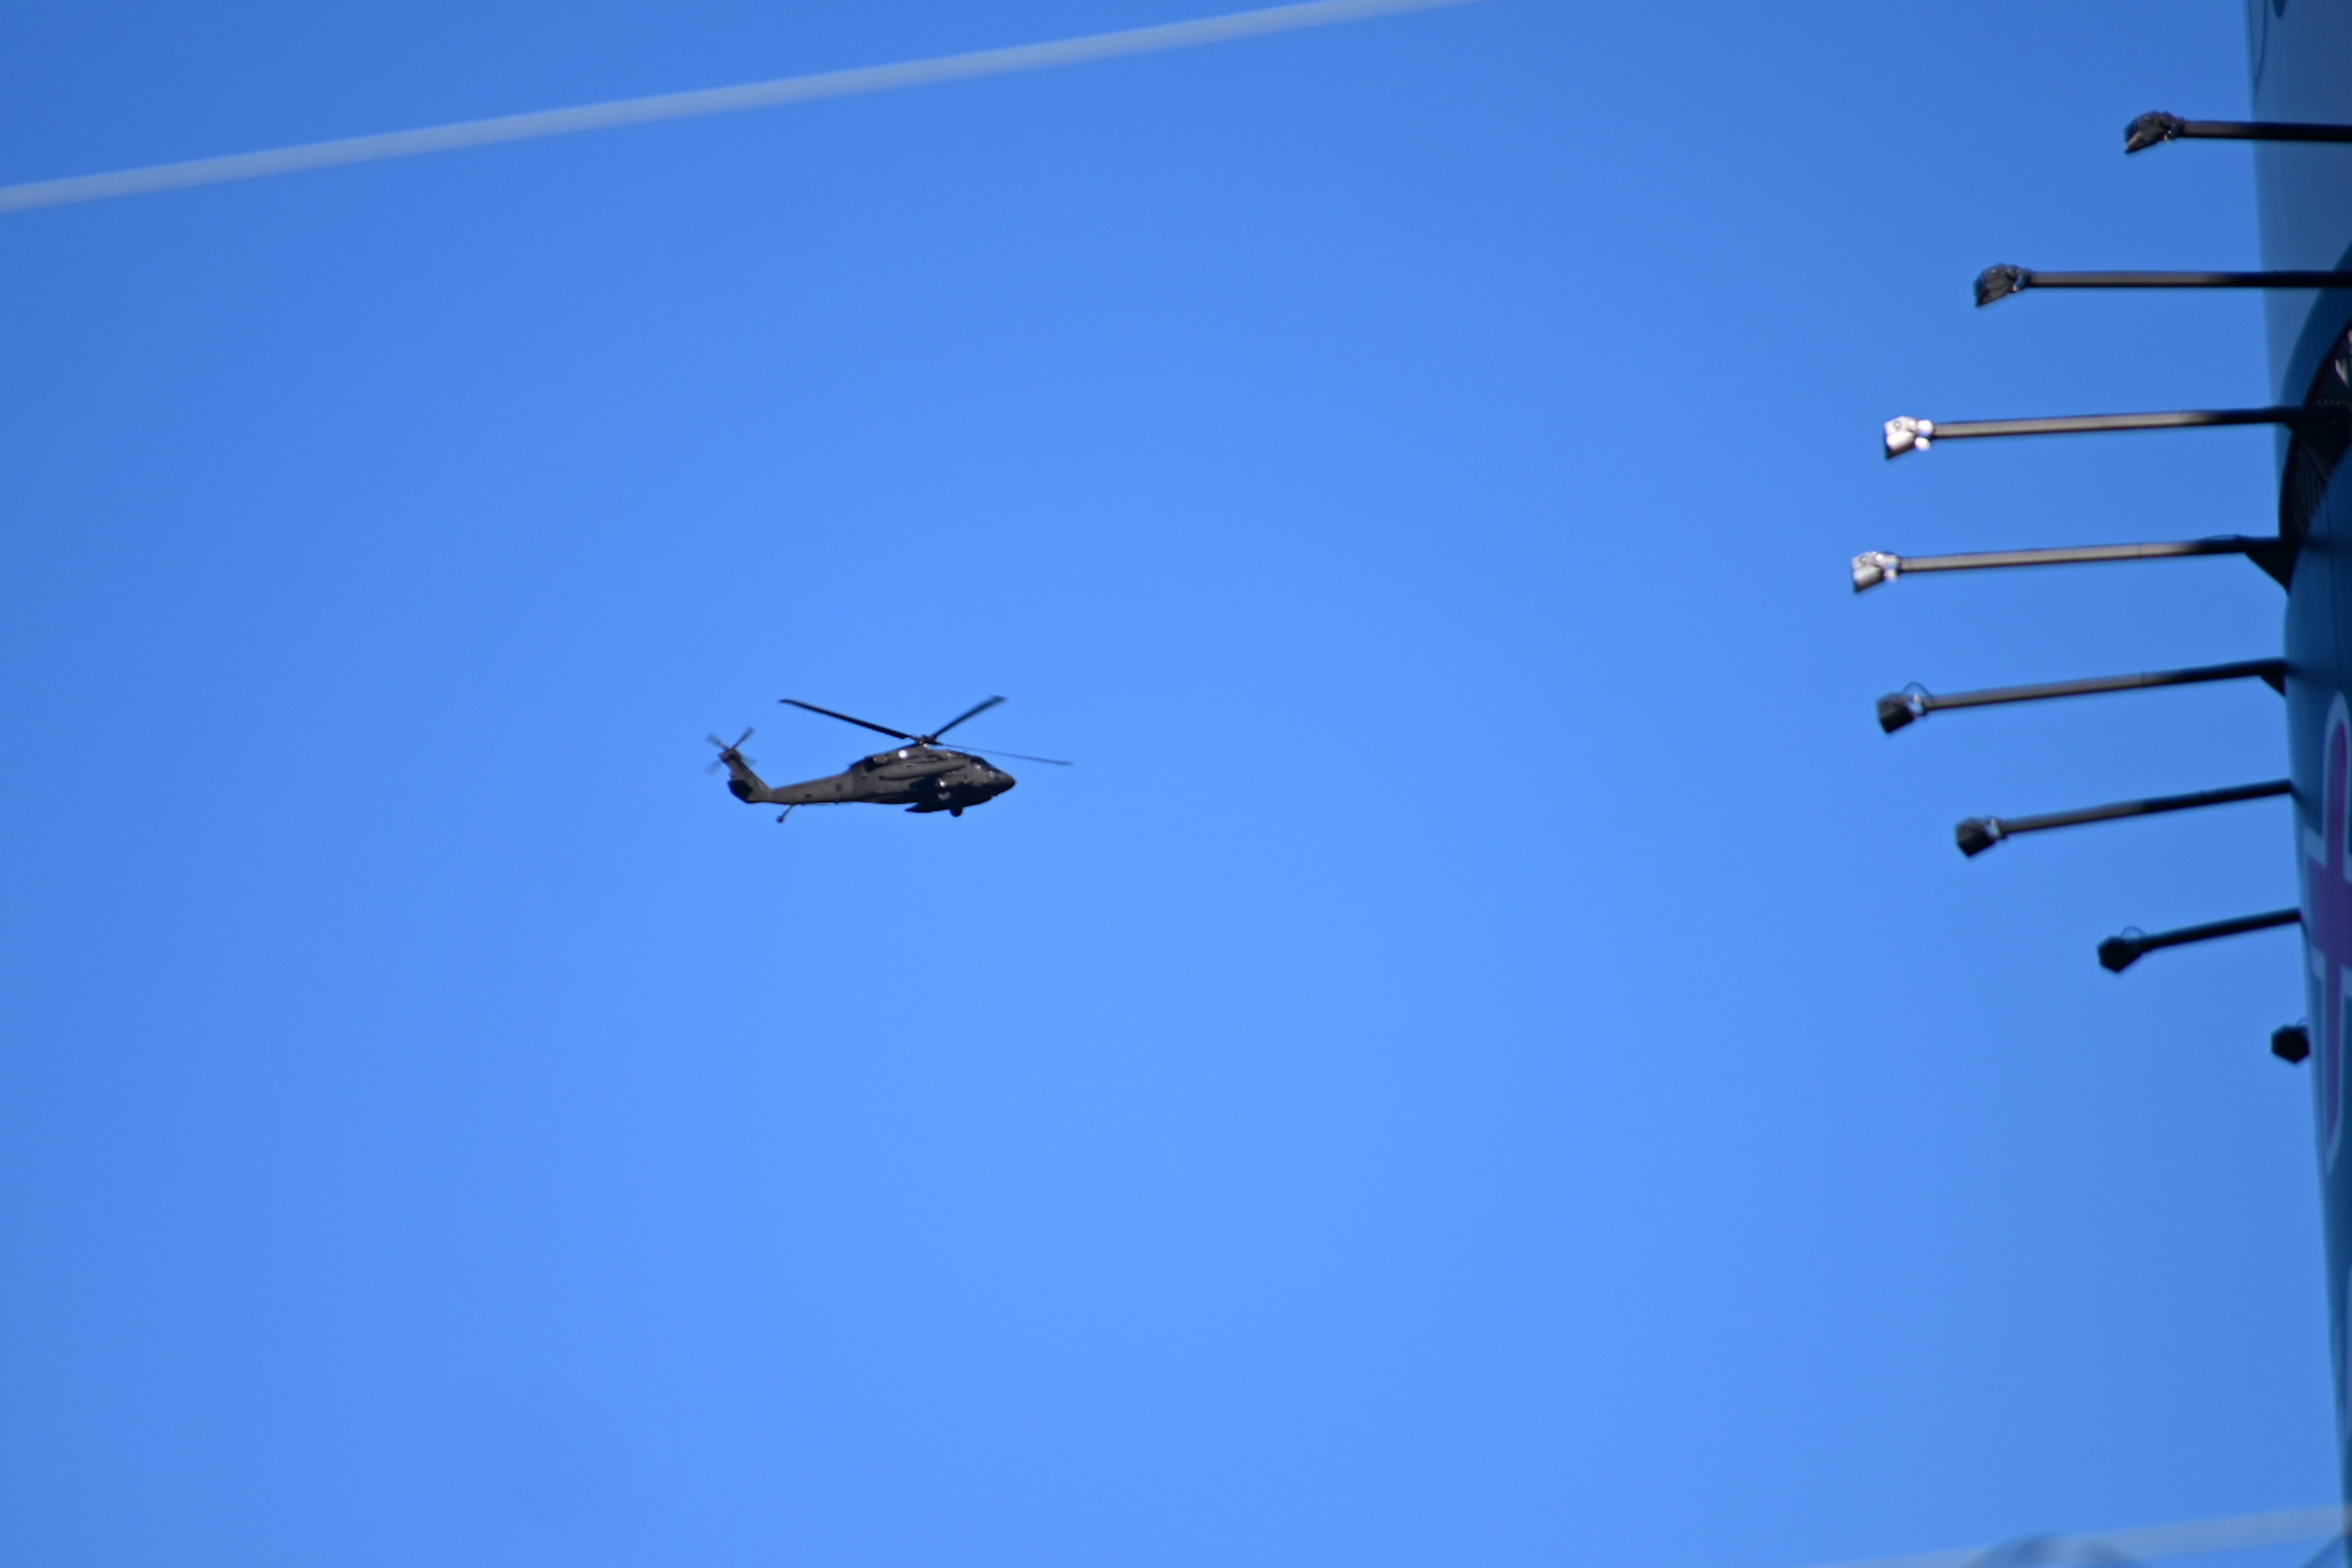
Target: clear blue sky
1491,1057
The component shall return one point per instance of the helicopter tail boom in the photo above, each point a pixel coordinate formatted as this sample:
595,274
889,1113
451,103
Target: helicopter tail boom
746,786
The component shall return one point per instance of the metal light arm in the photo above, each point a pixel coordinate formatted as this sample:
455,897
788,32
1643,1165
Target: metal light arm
2118,953
1906,433
1979,834
1901,707
2156,127
1872,567
1996,283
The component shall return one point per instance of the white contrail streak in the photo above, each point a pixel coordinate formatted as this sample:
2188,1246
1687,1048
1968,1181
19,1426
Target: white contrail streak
706,100
2197,1538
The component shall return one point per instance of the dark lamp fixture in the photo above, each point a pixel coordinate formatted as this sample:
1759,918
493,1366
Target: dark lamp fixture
2291,1043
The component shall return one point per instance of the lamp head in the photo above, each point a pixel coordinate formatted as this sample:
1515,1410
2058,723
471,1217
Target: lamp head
1976,835
1898,709
1872,567
2291,1044
2146,131
2000,282
2118,953
1904,433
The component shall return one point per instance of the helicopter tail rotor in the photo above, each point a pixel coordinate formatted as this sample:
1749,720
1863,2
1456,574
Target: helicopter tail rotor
730,752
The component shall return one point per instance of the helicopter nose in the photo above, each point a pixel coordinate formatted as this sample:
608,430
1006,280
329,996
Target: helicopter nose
1004,781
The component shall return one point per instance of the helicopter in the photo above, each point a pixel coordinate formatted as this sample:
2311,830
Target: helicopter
921,775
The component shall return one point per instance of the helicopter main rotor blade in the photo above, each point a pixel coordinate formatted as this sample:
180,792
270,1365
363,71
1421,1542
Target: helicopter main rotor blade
1019,757
899,734
967,713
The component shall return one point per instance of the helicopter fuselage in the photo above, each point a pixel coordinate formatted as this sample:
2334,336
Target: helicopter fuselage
920,778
